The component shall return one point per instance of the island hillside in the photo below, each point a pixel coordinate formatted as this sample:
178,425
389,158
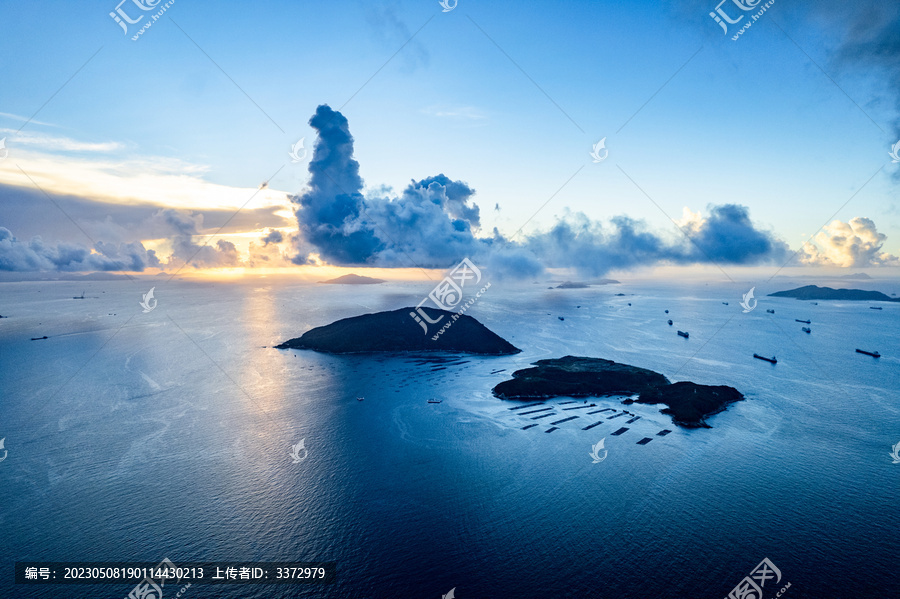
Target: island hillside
574,376
352,279
688,403
398,331
812,292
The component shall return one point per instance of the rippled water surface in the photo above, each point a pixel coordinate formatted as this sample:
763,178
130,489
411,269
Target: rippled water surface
134,437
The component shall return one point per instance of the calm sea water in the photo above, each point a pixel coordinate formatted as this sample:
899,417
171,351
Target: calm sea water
134,437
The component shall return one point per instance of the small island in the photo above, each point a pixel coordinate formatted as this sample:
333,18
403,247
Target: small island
688,403
399,331
813,292
352,279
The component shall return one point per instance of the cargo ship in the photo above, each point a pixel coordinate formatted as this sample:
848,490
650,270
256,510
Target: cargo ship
868,353
684,334
803,321
773,360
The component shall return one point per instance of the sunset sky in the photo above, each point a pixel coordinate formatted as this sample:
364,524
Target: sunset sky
125,155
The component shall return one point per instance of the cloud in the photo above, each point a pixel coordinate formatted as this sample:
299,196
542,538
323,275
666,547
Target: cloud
728,236
185,250
853,244
150,180
35,255
434,223
394,34
272,236
176,229
56,143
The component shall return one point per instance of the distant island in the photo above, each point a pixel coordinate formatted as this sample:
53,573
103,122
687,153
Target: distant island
352,280
582,285
398,331
688,403
572,285
812,292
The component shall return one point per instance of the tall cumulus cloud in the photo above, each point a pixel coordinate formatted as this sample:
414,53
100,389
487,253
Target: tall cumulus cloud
434,222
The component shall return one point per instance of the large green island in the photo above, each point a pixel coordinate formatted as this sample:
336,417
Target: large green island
688,403
399,331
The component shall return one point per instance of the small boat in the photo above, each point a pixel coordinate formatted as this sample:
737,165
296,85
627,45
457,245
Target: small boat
360,398
806,330
815,303
869,353
79,297
771,311
38,338
629,304
684,334
432,400
726,303
773,360
875,308
667,311
670,323
803,321
560,317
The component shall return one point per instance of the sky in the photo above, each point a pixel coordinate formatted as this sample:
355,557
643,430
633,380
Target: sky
128,152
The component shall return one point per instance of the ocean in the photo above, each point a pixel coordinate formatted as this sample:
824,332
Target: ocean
134,437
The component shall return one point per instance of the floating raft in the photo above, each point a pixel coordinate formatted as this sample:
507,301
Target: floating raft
528,426
534,411
644,441
550,430
531,405
564,420
542,416
563,403
590,426
663,433
579,408
635,419
620,431
616,416
603,410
